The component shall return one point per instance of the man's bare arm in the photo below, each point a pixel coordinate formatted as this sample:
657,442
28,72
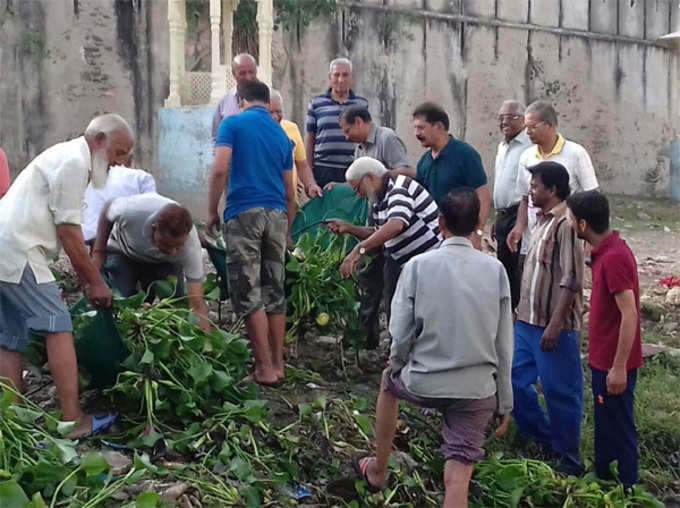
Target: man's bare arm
310,140
197,304
290,201
391,229
484,205
515,235
306,176
104,228
96,291
219,175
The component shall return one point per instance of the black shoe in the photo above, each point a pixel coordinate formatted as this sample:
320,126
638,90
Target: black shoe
569,467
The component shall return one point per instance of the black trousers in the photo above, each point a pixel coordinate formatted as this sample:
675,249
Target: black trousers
324,175
129,276
510,260
378,282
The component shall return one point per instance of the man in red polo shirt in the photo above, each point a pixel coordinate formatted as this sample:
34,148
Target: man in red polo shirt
615,349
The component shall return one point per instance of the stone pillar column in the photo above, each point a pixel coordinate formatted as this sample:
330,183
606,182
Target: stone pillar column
228,7
218,85
178,26
265,28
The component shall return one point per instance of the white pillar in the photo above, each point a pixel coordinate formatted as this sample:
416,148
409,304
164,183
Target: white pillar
228,7
178,26
265,28
218,84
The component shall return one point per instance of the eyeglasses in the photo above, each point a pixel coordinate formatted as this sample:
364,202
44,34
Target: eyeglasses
508,117
533,127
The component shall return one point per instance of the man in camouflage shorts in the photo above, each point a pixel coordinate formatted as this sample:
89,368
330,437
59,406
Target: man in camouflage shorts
256,155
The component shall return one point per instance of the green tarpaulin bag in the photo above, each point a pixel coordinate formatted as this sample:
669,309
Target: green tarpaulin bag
100,349
340,203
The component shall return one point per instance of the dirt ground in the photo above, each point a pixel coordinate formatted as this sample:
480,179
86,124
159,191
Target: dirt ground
650,226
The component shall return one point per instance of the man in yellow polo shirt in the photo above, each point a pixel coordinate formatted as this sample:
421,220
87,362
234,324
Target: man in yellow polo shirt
302,173
540,121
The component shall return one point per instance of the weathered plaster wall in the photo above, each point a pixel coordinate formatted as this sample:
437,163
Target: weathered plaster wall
616,93
186,155
64,61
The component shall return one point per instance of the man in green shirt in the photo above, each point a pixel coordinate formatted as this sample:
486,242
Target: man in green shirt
449,163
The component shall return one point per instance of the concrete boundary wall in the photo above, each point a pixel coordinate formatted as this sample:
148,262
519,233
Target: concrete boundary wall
613,84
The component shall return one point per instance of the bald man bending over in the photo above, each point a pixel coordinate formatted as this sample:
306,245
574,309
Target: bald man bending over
244,69
146,238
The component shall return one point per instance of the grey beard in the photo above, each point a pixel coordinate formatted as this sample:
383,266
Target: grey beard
100,169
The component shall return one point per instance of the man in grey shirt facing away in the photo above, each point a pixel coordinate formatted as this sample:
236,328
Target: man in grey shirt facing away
452,346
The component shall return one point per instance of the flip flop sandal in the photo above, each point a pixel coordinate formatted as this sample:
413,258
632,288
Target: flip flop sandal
360,465
100,423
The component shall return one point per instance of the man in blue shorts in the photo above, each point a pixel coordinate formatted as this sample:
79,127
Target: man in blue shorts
256,156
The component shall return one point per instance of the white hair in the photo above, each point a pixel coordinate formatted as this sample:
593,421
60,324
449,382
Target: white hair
107,124
340,61
513,105
364,166
242,58
275,94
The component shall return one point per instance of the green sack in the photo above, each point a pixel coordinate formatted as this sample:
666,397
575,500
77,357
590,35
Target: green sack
100,349
340,203
218,257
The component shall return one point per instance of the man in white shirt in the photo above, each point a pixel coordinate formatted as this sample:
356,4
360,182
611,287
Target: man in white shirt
506,198
540,121
122,181
147,238
41,213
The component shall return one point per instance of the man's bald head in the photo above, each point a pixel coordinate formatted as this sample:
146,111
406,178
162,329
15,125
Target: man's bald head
244,68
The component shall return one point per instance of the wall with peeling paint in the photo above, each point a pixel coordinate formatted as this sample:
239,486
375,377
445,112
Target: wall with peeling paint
615,91
63,61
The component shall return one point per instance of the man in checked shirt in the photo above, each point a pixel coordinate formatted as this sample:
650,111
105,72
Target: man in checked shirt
548,324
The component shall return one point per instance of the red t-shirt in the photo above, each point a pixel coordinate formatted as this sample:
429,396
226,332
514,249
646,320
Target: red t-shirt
614,270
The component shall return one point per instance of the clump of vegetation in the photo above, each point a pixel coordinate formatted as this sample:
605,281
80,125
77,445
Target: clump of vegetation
319,297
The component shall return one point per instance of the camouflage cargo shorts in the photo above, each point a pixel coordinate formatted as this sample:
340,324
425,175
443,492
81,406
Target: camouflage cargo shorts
256,250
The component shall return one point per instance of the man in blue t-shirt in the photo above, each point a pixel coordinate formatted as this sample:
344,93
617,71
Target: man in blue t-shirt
254,153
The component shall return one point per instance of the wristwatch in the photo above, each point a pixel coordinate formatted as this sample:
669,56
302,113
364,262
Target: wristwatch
362,250
479,232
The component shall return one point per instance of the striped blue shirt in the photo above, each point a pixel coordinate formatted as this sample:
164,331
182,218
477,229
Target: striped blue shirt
331,148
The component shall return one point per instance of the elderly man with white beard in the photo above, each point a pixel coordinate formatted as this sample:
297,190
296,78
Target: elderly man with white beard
406,221
41,213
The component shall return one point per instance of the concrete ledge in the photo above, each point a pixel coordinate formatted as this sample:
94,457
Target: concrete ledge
494,22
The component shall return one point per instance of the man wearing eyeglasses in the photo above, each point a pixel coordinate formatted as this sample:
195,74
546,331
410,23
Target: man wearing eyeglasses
540,121
506,198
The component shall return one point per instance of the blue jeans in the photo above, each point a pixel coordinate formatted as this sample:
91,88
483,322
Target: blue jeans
615,434
562,384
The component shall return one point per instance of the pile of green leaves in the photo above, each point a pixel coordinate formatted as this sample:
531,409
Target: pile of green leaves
36,467
176,372
526,482
315,287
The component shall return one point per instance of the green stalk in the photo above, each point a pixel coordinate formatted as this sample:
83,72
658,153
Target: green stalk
61,484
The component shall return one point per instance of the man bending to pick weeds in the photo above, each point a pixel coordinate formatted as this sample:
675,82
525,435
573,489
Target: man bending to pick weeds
451,349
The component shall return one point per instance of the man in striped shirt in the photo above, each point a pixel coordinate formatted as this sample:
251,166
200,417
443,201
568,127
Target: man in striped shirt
405,218
548,324
328,151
